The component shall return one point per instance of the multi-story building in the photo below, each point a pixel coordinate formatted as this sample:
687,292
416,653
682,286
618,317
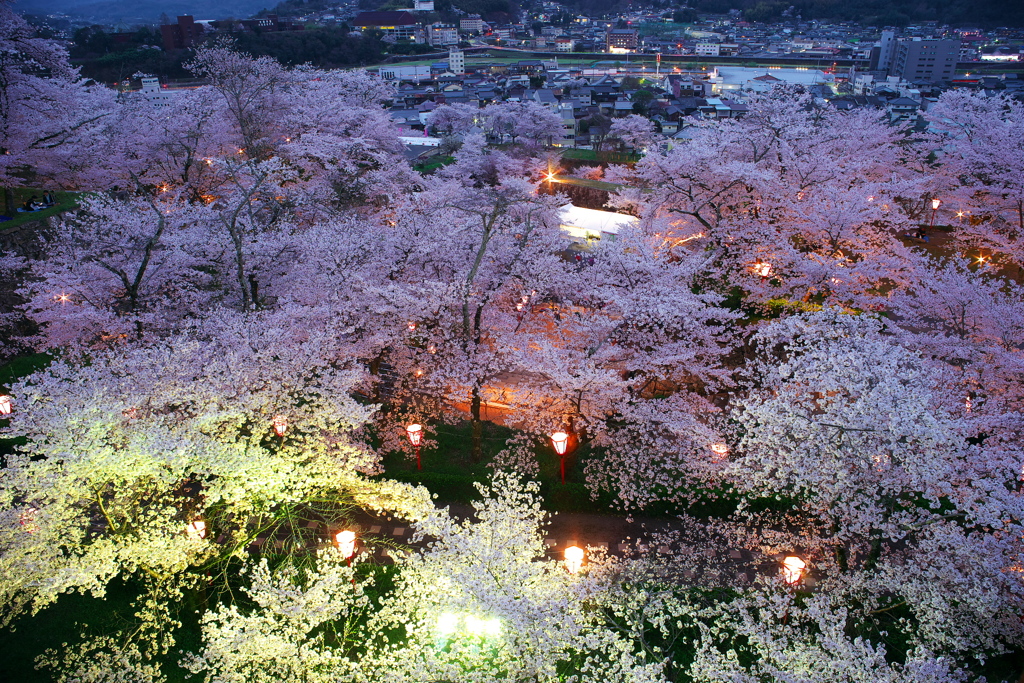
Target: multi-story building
442,34
705,49
400,25
621,40
154,94
564,44
928,60
472,24
882,54
456,61
181,35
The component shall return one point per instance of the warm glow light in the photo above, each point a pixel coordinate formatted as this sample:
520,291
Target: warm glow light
5,405
482,628
431,348
411,325
415,434
936,203
720,450
560,440
27,519
346,542
762,269
447,624
63,297
196,531
793,569
573,558
280,425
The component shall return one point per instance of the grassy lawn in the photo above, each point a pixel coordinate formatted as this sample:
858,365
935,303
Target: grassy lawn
606,157
586,182
65,201
431,164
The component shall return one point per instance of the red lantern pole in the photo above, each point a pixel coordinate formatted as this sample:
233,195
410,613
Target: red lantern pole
560,440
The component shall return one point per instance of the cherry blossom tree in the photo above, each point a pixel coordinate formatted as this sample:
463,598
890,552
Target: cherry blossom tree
453,119
785,199
48,124
634,131
124,452
888,473
533,123
981,152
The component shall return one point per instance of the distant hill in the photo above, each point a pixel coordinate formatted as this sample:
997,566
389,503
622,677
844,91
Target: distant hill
146,12
977,13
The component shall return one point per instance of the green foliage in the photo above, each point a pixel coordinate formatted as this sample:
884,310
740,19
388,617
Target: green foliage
321,47
22,366
121,65
778,307
433,163
64,202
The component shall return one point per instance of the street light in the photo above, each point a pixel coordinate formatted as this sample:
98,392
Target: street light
573,558
415,434
936,203
560,440
793,569
5,405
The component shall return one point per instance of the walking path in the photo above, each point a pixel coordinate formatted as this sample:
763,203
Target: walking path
388,538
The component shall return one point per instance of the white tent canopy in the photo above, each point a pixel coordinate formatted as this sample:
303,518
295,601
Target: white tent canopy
583,224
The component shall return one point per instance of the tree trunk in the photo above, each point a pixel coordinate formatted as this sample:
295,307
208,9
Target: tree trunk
476,452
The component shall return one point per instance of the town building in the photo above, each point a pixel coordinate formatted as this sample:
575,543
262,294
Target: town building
442,34
154,94
398,25
918,59
705,49
621,40
181,35
456,61
471,24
